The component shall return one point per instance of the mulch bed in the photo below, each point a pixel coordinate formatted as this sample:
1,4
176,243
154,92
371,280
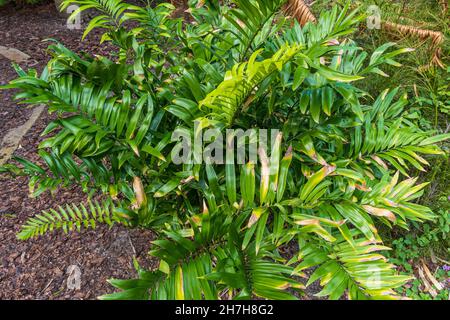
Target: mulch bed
38,268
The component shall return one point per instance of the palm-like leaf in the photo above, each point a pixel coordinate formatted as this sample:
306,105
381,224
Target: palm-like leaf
69,218
360,269
112,12
240,83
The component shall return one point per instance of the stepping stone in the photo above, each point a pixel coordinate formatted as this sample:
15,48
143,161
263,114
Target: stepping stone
13,54
12,139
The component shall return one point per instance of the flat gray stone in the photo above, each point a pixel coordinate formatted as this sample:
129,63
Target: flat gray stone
12,139
13,54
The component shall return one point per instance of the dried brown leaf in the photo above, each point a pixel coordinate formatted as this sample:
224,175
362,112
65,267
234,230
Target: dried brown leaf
300,11
437,38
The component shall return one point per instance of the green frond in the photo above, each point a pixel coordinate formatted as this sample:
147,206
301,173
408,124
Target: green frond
332,24
112,12
231,96
69,218
61,169
199,279
207,262
359,270
253,22
389,200
386,138
105,119
133,289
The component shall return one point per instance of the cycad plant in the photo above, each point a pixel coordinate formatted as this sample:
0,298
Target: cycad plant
337,167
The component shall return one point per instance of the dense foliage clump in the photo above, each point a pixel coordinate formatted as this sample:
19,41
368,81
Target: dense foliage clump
338,167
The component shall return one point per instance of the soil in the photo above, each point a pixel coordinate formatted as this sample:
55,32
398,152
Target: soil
39,268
